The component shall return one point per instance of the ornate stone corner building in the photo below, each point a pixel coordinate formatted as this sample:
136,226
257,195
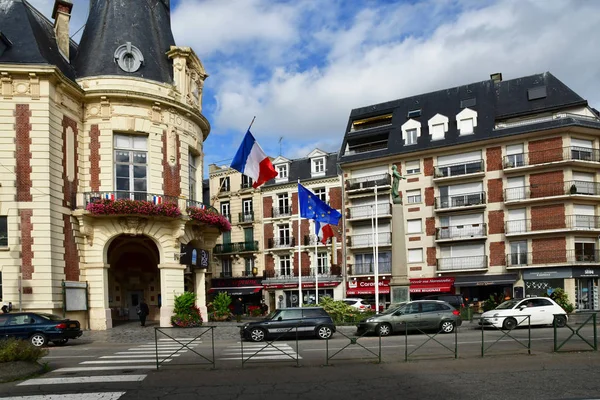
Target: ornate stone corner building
101,158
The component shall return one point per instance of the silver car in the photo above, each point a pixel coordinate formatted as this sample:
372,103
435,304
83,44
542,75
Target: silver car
413,315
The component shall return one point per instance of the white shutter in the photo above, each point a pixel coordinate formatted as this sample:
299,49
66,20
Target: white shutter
467,219
583,176
516,221
414,226
517,214
415,255
468,250
466,126
515,189
412,166
587,144
362,230
437,132
585,240
585,216
363,172
459,158
384,228
465,188
580,209
514,149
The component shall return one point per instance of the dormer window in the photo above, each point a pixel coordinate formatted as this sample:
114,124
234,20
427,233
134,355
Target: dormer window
318,165
282,172
411,137
128,57
438,126
467,121
411,131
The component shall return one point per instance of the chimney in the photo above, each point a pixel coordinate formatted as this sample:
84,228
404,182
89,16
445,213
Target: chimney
496,77
62,15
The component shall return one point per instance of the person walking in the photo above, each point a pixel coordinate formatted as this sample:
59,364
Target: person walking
143,312
238,309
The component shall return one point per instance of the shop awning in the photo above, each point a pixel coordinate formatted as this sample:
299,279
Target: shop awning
236,291
431,285
368,290
485,280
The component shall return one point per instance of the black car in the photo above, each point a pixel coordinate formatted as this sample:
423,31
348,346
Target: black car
39,329
455,300
305,321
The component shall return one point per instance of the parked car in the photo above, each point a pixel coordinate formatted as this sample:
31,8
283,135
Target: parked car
413,315
359,304
513,313
455,300
305,321
39,328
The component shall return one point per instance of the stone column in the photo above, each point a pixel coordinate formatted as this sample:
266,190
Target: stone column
171,285
99,314
399,285
201,293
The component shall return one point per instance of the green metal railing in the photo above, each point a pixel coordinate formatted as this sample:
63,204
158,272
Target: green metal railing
575,332
517,321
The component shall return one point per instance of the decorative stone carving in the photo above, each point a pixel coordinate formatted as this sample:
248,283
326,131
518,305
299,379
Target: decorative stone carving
104,107
172,147
34,86
133,225
86,229
178,233
6,84
156,115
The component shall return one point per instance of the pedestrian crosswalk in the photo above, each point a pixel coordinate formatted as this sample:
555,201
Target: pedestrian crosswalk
120,367
260,351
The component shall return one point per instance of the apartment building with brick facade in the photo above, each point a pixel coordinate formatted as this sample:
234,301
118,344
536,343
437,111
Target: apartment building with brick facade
101,156
499,191
265,234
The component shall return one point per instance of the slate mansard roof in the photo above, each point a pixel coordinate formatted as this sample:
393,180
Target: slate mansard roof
493,102
300,168
146,24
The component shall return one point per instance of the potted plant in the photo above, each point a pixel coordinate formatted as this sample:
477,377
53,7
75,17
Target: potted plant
185,312
562,299
220,307
573,189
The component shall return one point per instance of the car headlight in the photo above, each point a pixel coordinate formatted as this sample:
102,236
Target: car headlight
370,320
495,315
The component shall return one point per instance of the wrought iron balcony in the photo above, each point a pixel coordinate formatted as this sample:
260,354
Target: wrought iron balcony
238,274
369,182
363,212
246,217
384,267
367,240
281,242
552,189
464,231
461,263
568,222
570,153
199,204
458,169
91,197
570,256
460,200
238,247
282,211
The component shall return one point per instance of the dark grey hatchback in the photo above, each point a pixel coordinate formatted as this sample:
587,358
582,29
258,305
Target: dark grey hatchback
305,321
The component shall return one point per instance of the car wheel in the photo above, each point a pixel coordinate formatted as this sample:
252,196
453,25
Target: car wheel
38,339
509,324
324,332
560,321
257,335
61,342
447,326
384,329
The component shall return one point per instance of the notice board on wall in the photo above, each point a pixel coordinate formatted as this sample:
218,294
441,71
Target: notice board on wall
75,296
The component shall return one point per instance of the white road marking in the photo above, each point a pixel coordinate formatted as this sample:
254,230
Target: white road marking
121,361
114,367
140,356
83,379
147,353
257,357
160,348
68,357
77,396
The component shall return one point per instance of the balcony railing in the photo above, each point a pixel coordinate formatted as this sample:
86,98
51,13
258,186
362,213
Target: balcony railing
461,231
461,263
570,153
368,182
367,240
539,120
458,169
384,267
137,196
311,240
246,217
570,256
240,274
199,204
238,247
460,200
552,189
307,273
383,209
282,211
281,242
572,222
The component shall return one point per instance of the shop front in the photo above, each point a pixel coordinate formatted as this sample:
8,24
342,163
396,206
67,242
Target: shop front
422,287
478,288
364,288
283,295
586,288
542,282
248,289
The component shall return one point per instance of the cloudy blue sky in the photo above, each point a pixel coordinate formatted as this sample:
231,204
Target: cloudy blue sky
300,66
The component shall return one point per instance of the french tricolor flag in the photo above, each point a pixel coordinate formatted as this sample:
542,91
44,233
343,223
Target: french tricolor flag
324,232
252,161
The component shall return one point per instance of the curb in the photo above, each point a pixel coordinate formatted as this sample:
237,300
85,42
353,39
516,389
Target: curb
19,370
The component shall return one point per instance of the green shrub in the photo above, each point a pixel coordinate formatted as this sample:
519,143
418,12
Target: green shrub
220,306
562,299
186,313
340,312
493,301
20,350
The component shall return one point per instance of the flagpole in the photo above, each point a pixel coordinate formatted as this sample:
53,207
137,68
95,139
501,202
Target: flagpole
373,233
316,269
376,256
299,251
252,122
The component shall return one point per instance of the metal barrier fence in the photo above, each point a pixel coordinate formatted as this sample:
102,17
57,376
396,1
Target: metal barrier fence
575,332
429,338
353,341
282,332
505,325
187,343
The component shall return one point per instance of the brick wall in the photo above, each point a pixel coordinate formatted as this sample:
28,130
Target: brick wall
69,187
171,173
430,226
267,207
494,191
71,255
428,166
545,150
95,158
305,264
269,265
547,184
495,222
549,250
26,244
268,233
335,198
497,253
294,203
548,217
23,153
429,196
431,256
493,158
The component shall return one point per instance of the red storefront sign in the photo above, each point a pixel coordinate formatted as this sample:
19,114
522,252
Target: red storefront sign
366,287
431,285
305,285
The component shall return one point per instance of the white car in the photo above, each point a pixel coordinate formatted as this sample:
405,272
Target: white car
515,312
359,304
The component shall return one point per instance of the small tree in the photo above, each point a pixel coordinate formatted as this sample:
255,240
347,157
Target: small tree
186,313
562,299
220,306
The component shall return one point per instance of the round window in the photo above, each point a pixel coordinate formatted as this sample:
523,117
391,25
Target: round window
128,57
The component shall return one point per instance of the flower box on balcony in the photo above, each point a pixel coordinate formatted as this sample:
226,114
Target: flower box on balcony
133,207
210,217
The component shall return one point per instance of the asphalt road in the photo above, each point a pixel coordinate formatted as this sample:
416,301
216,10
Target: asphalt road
128,371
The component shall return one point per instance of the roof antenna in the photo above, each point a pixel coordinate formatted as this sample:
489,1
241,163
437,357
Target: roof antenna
280,140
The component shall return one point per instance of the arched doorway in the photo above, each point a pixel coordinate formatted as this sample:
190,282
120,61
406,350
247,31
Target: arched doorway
133,275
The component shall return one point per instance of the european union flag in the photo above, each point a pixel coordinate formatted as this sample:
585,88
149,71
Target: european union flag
312,207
